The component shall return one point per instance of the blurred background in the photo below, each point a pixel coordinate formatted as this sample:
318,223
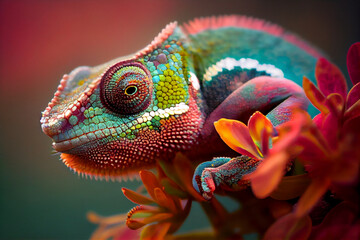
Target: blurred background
41,40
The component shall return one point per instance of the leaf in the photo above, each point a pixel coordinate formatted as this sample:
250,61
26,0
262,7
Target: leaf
291,187
236,135
136,197
329,78
173,189
353,62
169,170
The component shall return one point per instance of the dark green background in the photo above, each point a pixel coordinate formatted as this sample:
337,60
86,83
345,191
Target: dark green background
40,40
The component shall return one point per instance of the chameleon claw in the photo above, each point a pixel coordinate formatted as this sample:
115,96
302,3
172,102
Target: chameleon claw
226,173
203,181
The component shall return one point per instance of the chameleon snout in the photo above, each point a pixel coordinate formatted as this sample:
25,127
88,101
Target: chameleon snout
52,128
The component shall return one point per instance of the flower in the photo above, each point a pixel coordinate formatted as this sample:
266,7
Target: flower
252,140
255,141
331,157
164,212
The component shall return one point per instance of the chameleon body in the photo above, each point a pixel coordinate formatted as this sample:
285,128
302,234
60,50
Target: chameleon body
112,120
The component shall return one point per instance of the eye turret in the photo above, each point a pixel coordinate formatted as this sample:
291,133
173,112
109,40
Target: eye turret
126,88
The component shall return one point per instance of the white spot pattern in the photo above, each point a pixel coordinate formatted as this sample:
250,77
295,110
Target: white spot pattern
245,63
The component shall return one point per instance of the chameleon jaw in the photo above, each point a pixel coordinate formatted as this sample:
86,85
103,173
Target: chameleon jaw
110,160
77,166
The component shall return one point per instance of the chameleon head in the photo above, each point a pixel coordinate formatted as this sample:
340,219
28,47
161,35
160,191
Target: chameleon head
115,119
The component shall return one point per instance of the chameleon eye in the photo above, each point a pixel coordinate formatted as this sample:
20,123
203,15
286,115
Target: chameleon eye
130,90
126,88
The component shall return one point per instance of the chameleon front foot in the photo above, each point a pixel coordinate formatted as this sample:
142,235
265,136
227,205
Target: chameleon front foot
223,173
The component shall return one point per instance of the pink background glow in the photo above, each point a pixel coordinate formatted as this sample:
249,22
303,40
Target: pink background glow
41,40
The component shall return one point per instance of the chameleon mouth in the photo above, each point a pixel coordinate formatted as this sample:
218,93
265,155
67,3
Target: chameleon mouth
65,145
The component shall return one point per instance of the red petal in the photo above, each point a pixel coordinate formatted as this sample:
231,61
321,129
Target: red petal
330,130
315,145
261,130
236,135
335,103
268,174
353,95
314,95
290,131
318,120
289,227
353,62
311,196
136,197
353,111
150,182
329,78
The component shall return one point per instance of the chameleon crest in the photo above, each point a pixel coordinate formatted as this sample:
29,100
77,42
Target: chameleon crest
117,118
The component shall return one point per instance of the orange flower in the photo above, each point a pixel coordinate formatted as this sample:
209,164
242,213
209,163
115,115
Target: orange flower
255,141
164,212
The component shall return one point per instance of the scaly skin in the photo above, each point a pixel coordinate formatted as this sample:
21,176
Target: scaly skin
117,118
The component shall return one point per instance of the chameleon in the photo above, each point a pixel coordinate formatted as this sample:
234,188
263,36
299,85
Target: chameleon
112,120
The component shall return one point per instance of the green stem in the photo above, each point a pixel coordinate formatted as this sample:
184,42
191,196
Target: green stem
216,213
